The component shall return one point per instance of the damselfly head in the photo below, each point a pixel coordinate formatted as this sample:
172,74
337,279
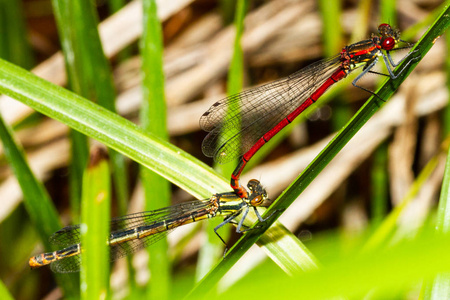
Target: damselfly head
389,36
258,194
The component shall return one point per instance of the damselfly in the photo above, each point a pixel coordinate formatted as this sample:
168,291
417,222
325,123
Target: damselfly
133,232
243,123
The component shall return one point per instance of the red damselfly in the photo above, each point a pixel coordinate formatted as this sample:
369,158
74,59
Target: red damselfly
133,232
241,124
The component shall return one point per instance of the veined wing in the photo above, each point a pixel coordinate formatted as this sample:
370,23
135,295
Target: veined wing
177,214
240,120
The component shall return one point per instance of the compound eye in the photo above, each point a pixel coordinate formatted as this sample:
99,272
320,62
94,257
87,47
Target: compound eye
384,26
252,184
258,200
388,43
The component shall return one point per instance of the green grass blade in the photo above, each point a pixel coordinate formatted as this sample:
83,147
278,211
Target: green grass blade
153,120
439,288
379,186
330,151
330,12
447,67
69,21
236,72
227,10
14,45
389,224
79,151
388,12
235,79
95,212
115,5
379,178
362,21
332,31
36,200
4,294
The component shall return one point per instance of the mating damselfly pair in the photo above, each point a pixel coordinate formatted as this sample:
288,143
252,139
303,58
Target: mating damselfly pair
239,125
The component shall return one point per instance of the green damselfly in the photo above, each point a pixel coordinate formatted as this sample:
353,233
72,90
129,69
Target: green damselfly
133,232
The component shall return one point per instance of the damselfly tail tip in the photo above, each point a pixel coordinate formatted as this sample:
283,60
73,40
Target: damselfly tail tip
35,262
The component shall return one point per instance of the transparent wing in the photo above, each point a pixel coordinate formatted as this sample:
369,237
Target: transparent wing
67,265
254,112
70,235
